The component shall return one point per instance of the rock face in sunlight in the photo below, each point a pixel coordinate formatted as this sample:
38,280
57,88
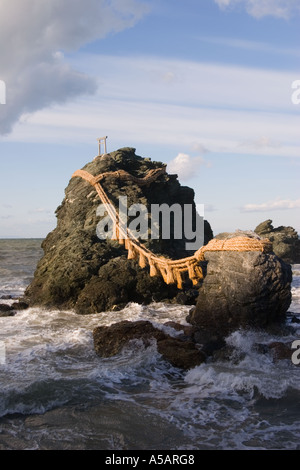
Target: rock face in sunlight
286,243
242,290
81,272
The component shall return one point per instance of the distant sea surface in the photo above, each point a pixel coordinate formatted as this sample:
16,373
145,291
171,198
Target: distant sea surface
55,393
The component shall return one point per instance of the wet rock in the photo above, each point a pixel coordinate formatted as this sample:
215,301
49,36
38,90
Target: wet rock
6,311
21,305
182,354
81,272
110,340
5,308
187,330
286,243
242,290
280,350
295,319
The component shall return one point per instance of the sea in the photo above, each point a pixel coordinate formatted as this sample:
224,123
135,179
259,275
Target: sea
57,394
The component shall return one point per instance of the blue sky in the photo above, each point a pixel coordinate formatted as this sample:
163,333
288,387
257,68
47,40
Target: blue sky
202,85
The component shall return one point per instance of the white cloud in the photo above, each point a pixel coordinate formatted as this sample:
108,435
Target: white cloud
194,84
35,34
260,8
263,142
185,166
248,112
250,45
40,210
278,204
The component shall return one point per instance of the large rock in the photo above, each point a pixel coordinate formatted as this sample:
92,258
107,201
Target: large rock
286,243
242,290
81,272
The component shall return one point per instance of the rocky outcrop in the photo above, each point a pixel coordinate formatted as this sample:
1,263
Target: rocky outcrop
81,272
180,352
6,311
242,290
286,243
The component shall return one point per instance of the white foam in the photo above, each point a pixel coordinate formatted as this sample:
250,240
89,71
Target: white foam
249,371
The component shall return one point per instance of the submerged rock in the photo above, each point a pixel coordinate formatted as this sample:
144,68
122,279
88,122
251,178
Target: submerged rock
6,311
20,305
242,290
286,243
81,272
181,353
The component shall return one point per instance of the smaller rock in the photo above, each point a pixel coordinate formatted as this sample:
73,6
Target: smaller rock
5,308
188,330
109,340
280,350
20,305
6,311
242,289
181,353
285,240
6,297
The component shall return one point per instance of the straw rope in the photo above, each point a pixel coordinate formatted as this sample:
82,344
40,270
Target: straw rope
172,271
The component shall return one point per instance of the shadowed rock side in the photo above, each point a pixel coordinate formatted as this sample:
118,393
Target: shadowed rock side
81,272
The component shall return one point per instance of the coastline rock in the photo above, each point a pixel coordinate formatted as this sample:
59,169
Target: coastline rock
20,305
6,311
280,350
81,272
242,290
181,353
5,308
286,243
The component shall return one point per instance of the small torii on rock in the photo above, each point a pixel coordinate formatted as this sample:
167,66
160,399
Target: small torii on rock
100,141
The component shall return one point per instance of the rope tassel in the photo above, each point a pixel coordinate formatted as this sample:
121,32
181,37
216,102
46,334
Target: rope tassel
142,260
115,235
170,277
178,279
131,252
153,269
127,243
198,272
191,271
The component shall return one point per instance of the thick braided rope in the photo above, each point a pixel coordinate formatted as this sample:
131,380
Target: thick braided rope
170,270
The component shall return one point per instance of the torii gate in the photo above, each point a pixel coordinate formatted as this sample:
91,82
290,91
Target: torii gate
102,140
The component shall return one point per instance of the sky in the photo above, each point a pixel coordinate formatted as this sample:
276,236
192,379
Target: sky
209,87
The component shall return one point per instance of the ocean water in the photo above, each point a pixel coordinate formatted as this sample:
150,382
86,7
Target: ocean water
56,394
